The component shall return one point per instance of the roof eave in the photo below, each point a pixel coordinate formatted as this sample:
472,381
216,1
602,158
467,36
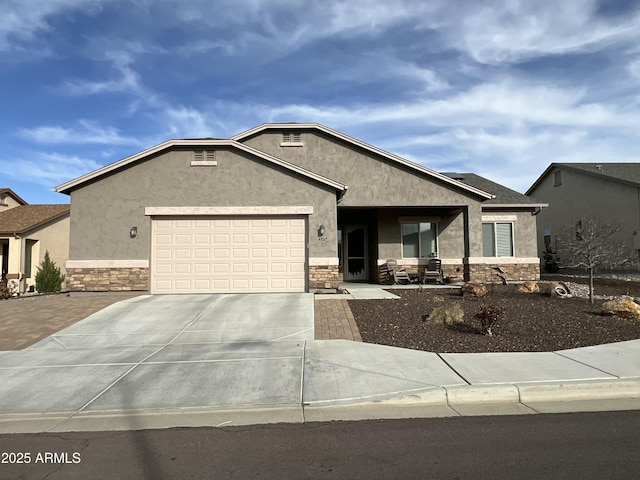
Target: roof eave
66,187
14,195
515,205
366,146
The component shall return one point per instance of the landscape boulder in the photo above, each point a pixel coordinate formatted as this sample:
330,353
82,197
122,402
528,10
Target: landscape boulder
621,307
558,290
470,289
529,287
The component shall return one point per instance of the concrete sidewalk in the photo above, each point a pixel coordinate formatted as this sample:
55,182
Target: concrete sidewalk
152,362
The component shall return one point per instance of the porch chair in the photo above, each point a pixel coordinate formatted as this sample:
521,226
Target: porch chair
393,272
433,271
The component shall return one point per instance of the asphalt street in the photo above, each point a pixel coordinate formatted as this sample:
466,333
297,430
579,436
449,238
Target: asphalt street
563,446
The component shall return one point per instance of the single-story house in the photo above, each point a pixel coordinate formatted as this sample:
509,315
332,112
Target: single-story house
606,192
286,207
26,233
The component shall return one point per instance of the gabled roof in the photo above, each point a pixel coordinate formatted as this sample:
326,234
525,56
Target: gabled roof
24,218
198,142
365,146
627,173
504,197
8,191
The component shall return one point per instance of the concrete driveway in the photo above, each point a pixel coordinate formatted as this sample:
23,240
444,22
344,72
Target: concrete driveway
165,352
162,361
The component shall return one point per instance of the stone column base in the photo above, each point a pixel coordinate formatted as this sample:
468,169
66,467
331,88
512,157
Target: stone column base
108,279
323,277
483,273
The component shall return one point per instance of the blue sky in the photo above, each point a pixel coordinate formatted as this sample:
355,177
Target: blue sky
499,88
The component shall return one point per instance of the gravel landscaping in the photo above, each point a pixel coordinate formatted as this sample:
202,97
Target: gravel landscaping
533,322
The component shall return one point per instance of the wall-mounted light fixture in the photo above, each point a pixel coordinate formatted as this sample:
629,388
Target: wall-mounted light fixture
133,232
321,231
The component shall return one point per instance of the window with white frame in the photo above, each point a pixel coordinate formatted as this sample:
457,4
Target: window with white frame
419,240
497,239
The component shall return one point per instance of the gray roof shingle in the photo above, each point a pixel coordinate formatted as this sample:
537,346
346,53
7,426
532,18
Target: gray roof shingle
503,195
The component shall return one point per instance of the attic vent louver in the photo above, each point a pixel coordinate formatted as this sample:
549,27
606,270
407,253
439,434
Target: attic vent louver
204,158
291,139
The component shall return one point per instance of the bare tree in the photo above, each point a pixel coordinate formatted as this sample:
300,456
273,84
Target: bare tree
593,246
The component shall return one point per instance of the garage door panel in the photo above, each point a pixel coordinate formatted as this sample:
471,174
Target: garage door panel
215,254
221,267
202,268
181,254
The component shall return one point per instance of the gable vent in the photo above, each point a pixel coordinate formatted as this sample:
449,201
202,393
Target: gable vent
204,158
291,139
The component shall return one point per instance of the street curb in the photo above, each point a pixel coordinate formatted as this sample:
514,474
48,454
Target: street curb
557,391
464,394
580,390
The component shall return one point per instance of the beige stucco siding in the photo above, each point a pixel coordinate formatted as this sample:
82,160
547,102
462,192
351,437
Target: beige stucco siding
102,213
372,181
581,197
9,202
54,238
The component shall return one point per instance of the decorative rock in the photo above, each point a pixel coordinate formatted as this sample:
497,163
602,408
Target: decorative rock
621,307
470,289
529,287
558,289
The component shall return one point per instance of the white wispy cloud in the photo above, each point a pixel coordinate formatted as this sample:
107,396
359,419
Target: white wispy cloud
23,20
84,132
126,79
48,169
512,31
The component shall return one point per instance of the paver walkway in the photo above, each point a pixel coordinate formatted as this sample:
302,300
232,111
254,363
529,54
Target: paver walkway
334,321
25,321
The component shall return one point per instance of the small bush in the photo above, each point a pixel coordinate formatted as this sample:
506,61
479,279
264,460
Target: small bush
48,279
5,291
447,315
489,317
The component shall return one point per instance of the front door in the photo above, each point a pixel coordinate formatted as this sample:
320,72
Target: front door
355,267
5,259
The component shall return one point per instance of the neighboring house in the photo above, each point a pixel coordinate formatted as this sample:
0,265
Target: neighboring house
26,233
575,192
286,207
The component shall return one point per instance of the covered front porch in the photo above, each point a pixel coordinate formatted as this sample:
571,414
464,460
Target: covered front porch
16,260
368,237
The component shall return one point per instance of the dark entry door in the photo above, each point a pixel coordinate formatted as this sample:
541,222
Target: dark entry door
355,253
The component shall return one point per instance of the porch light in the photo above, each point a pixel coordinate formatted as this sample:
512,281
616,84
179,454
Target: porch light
321,231
133,232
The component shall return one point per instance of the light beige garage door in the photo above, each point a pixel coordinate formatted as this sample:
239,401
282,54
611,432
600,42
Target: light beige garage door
228,254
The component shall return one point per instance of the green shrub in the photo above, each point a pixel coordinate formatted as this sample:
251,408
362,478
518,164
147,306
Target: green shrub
48,279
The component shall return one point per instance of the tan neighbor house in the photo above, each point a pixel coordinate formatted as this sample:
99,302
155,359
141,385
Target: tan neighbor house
26,233
575,192
286,207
